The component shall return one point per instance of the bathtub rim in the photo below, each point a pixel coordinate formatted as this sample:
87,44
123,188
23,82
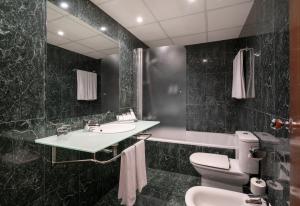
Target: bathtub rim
156,139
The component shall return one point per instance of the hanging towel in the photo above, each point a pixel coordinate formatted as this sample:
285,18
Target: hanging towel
86,85
140,165
81,82
127,182
92,86
238,80
250,92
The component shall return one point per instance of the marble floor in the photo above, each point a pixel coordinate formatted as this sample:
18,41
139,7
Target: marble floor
163,189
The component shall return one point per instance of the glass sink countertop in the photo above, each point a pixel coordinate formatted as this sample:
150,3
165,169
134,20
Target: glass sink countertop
93,142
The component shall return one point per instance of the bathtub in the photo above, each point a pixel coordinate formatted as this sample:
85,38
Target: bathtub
205,139
169,150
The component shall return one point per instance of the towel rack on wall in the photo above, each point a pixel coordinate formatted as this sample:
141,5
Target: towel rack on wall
74,70
114,150
247,49
256,54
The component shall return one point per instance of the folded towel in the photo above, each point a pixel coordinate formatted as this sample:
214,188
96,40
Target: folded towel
250,93
140,165
127,182
238,80
86,85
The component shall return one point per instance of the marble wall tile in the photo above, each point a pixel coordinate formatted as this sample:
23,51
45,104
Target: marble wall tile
272,89
175,157
209,86
27,177
60,84
282,75
22,59
91,14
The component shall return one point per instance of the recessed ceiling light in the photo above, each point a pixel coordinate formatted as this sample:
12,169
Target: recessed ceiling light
60,33
191,1
103,28
139,19
64,5
204,60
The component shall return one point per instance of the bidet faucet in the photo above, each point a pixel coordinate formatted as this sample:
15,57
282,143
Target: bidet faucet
257,199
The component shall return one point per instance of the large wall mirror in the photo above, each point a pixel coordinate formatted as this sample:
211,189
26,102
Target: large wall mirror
74,45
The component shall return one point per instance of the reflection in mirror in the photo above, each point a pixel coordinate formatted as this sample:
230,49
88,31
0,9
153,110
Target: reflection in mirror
74,45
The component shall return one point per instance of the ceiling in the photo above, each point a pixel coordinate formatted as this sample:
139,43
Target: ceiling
78,36
179,22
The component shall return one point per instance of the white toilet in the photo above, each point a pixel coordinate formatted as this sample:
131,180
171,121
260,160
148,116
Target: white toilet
226,173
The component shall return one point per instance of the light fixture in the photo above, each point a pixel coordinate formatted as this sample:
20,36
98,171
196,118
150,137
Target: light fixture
103,28
60,33
64,5
191,1
204,60
139,19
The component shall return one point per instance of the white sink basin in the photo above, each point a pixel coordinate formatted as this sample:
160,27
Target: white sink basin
209,196
111,128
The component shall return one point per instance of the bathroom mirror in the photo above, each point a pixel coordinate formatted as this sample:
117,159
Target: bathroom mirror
72,45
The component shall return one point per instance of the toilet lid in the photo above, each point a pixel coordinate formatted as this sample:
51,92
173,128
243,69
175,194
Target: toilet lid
210,160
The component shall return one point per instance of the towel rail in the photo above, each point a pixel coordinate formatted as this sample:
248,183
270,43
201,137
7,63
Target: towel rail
246,49
74,70
54,162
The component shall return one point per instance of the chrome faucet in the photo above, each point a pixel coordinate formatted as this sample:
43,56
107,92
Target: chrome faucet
257,199
64,129
89,124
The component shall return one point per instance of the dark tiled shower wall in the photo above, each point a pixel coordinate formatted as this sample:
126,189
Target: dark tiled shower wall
269,27
60,79
209,104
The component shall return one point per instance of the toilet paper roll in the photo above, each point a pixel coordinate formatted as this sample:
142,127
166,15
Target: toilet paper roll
257,186
275,189
274,185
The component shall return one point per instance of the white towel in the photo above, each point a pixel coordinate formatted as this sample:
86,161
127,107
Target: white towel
140,165
92,86
127,182
81,81
238,80
86,85
251,83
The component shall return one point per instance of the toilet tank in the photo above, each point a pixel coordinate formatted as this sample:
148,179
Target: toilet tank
247,141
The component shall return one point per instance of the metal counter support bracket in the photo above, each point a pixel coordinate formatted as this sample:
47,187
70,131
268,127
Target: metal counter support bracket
53,151
114,151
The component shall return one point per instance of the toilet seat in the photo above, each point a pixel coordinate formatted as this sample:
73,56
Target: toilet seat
233,168
219,171
211,160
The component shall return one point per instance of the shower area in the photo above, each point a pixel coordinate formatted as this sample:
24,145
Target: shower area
161,89
162,96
